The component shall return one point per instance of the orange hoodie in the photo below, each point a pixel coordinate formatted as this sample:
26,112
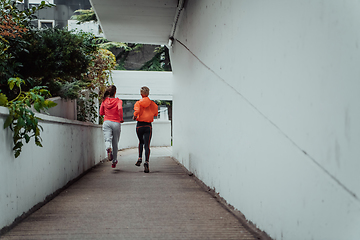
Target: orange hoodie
112,109
145,110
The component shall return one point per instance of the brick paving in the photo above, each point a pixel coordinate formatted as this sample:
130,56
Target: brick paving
126,203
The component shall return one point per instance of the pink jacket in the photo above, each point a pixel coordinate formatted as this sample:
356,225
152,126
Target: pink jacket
112,109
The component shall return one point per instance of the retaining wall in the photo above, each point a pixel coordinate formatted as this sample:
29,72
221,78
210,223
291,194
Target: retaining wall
69,149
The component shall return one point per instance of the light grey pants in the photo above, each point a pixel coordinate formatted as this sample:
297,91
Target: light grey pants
111,132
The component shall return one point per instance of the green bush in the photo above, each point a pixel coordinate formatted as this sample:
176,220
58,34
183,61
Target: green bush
14,25
56,55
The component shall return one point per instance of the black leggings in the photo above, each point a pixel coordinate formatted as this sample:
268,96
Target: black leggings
144,132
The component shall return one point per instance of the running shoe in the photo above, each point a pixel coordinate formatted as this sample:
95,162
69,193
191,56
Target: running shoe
138,163
146,167
114,164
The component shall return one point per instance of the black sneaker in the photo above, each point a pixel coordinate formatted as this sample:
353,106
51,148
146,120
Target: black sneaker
138,163
146,167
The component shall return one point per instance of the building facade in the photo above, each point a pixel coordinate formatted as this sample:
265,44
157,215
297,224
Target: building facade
59,15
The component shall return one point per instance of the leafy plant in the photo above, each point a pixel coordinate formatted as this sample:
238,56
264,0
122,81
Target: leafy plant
71,90
83,15
87,110
57,55
99,72
97,78
22,120
164,102
160,61
105,44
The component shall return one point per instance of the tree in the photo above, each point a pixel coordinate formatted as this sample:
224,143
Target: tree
35,64
56,56
14,25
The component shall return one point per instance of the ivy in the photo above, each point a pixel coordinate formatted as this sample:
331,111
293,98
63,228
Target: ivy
22,120
87,110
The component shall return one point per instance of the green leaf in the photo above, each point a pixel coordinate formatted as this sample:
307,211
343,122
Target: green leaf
41,98
37,106
8,121
36,88
38,143
18,145
44,92
15,81
33,96
37,132
49,104
3,99
17,153
27,138
27,101
20,122
11,83
16,138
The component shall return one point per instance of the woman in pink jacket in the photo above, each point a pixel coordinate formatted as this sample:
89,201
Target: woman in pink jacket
111,107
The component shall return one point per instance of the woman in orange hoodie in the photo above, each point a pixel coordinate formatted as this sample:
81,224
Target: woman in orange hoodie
111,107
144,112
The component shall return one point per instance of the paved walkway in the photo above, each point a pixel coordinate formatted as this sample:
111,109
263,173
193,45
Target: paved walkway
126,203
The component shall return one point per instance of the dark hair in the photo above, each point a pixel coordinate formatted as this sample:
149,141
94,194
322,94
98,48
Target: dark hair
110,91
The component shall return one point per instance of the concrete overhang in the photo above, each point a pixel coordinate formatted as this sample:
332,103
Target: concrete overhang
128,84
136,21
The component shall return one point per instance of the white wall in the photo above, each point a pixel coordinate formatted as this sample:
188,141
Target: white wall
69,149
64,108
267,111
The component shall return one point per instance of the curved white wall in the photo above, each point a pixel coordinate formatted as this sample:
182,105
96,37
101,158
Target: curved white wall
267,111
